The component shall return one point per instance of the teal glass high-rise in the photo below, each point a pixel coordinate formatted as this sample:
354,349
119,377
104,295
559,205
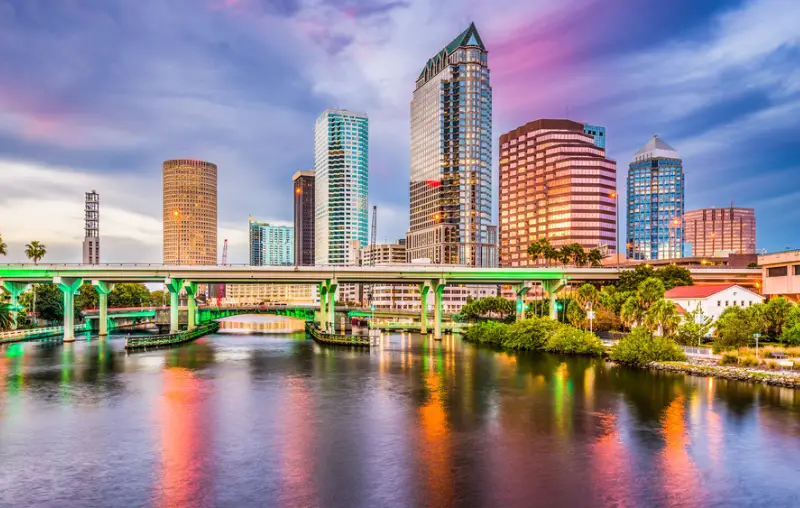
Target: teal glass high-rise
271,245
655,228
341,172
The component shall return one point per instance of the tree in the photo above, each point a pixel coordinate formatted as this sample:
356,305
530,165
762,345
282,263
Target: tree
565,254
674,276
595,258
35,251
579,254
49,300
649,292
490,306
588,297
734,328
776,312
3,247
86,297
158,298
6,320
640,347
629,280
575,314
631,313
662,317
693,328
129,295
613,298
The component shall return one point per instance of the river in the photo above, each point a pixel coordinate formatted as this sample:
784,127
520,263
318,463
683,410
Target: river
281,421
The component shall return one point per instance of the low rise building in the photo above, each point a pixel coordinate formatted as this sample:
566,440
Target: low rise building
256,294
712,300
781,274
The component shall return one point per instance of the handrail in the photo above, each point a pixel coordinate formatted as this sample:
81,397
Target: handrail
30,332
170,338
334,338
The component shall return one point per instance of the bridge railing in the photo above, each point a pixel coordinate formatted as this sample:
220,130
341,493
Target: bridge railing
335,338
146,341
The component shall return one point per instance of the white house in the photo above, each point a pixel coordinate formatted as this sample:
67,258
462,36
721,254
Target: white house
712,300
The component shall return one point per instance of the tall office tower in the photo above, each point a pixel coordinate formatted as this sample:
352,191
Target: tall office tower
655,202
341,166
190,212
598,133
555,183
303,218
91,239
271,245
720,230
451,157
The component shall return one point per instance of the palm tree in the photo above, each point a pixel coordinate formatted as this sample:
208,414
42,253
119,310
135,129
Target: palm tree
535,251
5,317
35,251
631,313
565,255
662,317
549,253
3,246
579,254
649,292
595,258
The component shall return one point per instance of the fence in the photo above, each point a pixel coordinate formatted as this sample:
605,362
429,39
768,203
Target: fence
171,338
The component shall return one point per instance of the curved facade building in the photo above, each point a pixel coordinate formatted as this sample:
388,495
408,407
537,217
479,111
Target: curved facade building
190,212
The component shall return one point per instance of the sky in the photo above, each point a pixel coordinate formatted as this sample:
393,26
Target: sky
96,94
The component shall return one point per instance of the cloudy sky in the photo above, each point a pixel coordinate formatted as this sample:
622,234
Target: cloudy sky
95,94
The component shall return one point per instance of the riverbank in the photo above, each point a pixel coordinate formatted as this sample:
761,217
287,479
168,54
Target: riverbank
782,378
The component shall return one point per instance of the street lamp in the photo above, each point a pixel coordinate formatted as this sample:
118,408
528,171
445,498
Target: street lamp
177,215
615,197
675,223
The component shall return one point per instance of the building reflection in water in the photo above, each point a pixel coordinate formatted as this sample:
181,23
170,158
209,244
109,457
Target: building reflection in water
611,463
298,460
679,474
185,476
435,453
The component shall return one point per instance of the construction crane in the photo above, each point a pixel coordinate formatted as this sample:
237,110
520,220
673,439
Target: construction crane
221,287
372,236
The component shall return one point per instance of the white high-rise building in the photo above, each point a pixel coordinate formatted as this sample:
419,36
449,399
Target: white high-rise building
341,162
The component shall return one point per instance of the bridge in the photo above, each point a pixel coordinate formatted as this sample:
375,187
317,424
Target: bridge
431,279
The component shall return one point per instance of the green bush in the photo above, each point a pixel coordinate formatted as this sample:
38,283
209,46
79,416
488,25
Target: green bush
530,333
573,341
487,333
772,364
748,361
640,347
728,358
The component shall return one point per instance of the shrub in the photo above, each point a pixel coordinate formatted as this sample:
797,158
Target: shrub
640,347
728,358
749,361
569,340
487,333
530,333
772,364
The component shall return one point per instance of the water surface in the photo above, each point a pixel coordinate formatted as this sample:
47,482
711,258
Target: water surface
281,421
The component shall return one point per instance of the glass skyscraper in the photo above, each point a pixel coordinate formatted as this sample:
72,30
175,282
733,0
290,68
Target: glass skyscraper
451,157
655,203
271,245
341,168
598,133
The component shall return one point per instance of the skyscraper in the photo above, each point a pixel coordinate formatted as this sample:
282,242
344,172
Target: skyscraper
720,230
271,245
91,240
555,183
190,212
341,165
598,133
655,202
303,182
451,157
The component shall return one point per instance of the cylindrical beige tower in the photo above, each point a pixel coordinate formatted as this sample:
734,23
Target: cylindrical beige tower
190,212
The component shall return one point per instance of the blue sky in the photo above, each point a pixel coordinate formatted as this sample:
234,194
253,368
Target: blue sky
95,94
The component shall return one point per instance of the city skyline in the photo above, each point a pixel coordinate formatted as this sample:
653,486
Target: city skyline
55,143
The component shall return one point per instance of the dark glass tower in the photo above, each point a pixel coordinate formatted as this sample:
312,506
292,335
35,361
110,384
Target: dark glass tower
303,218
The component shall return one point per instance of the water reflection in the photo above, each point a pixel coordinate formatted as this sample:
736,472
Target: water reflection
281,421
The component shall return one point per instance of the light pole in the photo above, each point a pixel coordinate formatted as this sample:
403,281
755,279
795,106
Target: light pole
615,197
674,230
177,215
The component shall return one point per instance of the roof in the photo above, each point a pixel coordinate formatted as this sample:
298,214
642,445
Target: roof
656,147
679,309
700,291
469,37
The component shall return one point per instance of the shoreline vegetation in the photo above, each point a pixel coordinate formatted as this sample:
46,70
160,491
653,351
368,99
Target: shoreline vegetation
638,349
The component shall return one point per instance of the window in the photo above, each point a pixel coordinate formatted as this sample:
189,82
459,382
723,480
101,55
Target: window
719,303
726,303
797,269
778,271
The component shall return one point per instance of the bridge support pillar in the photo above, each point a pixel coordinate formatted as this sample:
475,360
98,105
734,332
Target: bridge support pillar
438,290
331,313
552,287
103,290
174,287
191,292
424,289
521,290
323,305
70,288
14,289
